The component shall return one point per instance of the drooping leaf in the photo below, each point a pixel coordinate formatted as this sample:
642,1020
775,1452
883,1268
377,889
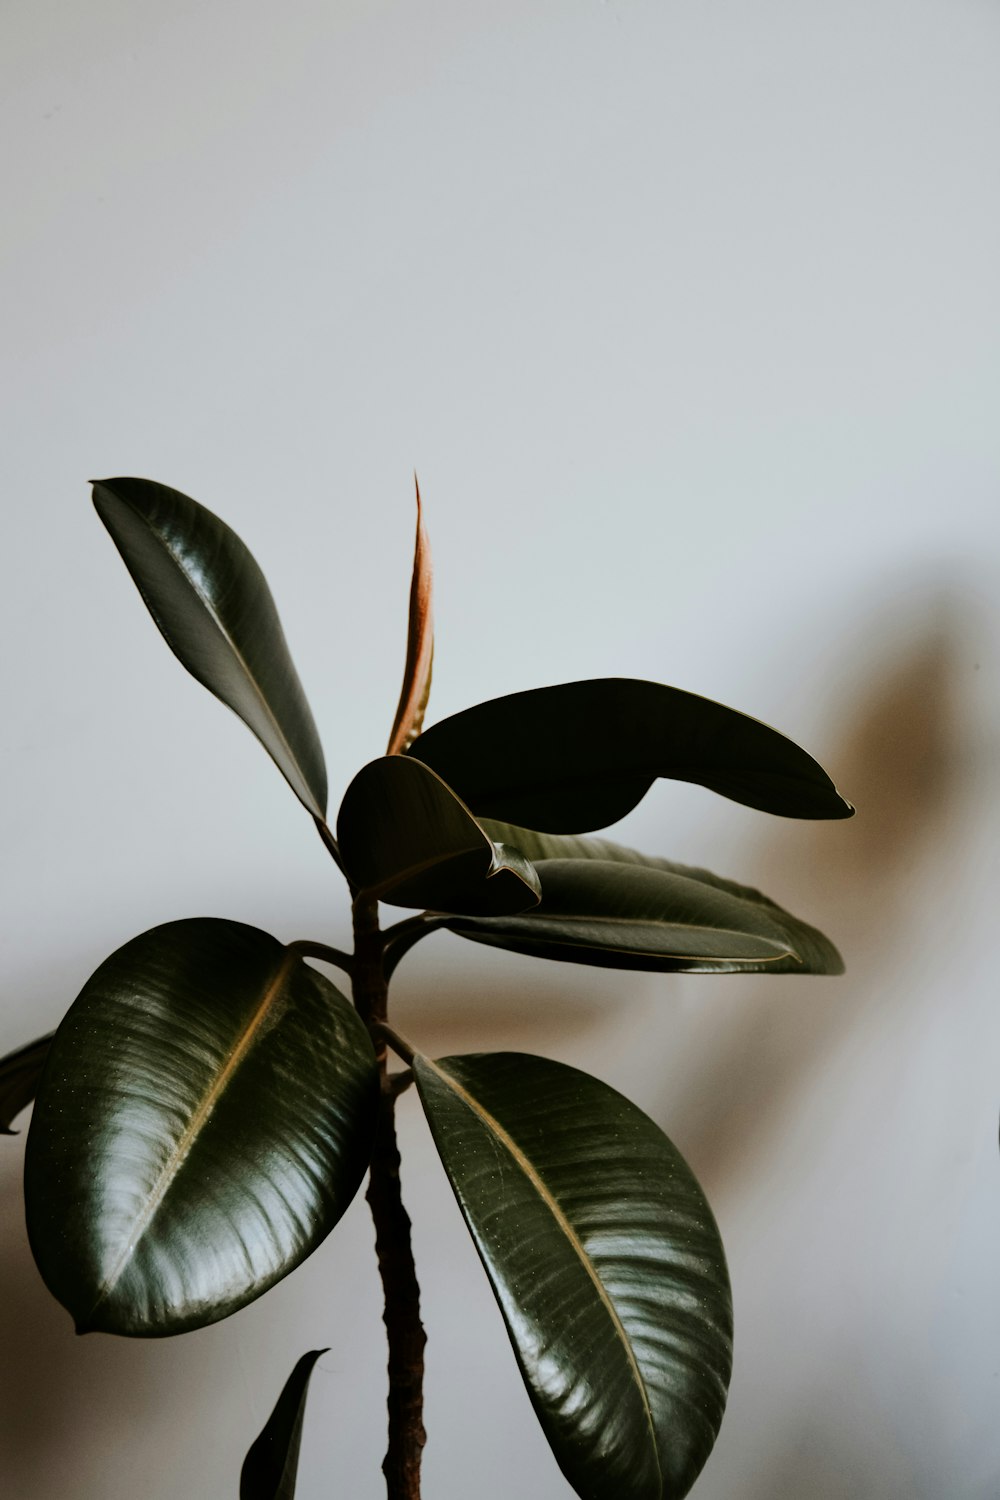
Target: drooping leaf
580,755
204,1118
605,1260
215,611
416,689
272,1461
406,838
19,1075
628,916
649,914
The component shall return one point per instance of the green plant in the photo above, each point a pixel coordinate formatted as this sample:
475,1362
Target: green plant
211,1102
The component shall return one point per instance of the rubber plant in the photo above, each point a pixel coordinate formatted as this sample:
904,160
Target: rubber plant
211,1102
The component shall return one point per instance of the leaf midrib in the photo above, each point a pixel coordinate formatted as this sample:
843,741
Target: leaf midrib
185,1141
572,1239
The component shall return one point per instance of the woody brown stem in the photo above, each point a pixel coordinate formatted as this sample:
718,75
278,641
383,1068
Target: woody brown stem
404,1330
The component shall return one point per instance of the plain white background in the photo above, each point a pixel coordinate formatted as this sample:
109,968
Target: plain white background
687,315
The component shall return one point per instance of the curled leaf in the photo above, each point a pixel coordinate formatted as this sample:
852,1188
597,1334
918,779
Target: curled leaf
416,689
406,838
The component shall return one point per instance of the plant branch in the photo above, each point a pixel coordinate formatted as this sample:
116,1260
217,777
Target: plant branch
404,1330
400,938
309,949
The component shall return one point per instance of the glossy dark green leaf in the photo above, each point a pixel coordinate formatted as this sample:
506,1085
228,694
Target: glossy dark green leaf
607,905
213,606
605,1260
272,1461
580,755
19,1075
406,838
204,1118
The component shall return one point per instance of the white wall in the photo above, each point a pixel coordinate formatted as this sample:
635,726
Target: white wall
687,315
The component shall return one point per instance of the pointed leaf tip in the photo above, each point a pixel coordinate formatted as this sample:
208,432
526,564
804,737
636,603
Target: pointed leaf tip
416,688
271,1465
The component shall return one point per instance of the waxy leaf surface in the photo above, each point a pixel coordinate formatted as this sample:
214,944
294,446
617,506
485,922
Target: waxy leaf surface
607,905
271,1465
19,1075
215,611
605,1260
406,838
204,1118
416,690
580,755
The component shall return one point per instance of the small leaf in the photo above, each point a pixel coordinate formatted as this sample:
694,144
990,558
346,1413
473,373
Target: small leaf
204,1119
416,689
406,838
580,755
19,1075
648,914
272,1461
215,612
605,1260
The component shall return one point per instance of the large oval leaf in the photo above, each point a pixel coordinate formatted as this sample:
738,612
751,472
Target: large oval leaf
673,918
580,755
605,1260
272,1462
215,611
19,1075
204,1118
406,838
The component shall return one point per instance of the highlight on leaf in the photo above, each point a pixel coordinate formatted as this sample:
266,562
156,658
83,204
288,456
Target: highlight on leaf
204,1119
416,689
604,1258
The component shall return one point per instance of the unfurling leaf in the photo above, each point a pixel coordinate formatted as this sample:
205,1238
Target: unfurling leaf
204,1119
605,1260
416,689
406,838
215,611
19,1075
580,755
272,1461
607,905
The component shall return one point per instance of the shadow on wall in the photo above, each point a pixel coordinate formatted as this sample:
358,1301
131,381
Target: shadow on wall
899,761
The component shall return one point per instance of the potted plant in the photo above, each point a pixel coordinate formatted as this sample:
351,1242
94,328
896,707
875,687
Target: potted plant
212,1100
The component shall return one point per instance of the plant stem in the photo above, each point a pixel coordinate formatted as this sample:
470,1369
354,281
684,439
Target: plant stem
404,1329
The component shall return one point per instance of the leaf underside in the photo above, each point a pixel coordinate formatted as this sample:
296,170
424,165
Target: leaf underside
19,1075
610,906
605,1261
406,838
204,1118
580,755
271,1465
214,609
